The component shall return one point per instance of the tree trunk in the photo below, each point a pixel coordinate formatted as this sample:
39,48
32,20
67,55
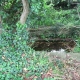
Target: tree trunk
25,12
0,20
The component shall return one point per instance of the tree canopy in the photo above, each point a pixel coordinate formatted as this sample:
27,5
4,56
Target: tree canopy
38,11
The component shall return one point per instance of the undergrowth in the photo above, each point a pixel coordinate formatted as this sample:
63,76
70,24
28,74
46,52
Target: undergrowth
77,48
19,62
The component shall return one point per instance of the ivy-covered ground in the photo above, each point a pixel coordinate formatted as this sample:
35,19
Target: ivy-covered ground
18,61
33,65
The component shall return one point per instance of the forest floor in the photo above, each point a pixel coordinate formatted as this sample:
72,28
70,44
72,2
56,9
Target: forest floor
63,54
71,62
61,65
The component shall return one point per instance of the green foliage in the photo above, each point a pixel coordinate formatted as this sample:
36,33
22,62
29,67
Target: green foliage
37,64
77,48
40,14
46,15
49,79
10,10
15,54
12,46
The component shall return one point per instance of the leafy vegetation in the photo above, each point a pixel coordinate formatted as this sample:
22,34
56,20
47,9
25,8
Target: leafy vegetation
17,60
48,16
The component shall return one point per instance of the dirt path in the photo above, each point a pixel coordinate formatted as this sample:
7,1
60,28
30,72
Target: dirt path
62,54
75,56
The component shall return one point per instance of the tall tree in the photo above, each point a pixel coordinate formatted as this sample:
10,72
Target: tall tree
25,12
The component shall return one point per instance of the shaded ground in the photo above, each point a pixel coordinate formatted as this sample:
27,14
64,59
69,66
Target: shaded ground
49,44
65,66
63,54
70,62
75,56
